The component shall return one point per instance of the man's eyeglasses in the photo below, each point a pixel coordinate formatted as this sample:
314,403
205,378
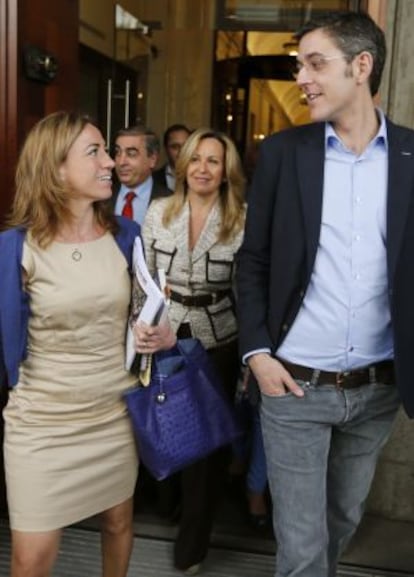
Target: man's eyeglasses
315,63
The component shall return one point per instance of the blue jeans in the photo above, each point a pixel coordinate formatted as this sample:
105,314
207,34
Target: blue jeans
256,479
321,453
249,447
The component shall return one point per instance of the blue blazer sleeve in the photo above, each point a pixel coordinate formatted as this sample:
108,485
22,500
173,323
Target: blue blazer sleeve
3,377
14,307
125,237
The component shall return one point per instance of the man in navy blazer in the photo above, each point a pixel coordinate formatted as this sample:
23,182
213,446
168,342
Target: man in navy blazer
137,150
174,139
325,293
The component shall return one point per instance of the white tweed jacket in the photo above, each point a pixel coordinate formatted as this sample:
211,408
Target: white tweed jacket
209,268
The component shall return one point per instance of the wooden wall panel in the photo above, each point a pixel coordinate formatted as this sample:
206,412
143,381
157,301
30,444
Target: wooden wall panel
53,27
8,99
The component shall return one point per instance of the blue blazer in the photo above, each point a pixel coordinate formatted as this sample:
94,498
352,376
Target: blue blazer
14,301
283,224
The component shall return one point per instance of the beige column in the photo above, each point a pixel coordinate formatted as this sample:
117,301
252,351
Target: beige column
181,76
392,493
398,85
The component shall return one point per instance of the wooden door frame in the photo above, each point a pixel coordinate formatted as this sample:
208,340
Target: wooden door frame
8,99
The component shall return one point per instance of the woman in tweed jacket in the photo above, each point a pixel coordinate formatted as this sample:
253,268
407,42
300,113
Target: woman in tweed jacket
194,236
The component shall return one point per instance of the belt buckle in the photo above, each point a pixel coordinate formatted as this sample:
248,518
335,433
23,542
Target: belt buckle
341,378
185,300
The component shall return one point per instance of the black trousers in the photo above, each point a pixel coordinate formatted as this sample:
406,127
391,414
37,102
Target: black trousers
202,483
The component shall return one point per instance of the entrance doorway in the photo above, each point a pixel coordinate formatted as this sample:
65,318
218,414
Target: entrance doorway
107,91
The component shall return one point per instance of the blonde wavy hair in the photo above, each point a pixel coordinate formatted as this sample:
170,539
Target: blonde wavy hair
231,189
41,200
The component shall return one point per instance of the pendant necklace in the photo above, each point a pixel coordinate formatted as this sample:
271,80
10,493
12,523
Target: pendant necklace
76,255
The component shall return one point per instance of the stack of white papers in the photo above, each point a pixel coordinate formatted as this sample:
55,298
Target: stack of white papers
155,300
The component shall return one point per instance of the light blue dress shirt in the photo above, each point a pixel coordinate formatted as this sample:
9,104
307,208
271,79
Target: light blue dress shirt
140,202
344,321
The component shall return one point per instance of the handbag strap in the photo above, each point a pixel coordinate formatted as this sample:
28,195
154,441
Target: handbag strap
187,355
178,350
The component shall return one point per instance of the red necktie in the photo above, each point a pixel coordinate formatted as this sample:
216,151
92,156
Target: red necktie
128,209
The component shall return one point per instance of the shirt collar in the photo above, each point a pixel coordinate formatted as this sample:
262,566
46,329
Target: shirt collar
332,140
139,189
169,171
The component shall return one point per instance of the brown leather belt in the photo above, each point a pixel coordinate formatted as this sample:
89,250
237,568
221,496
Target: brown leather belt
382,372
203,300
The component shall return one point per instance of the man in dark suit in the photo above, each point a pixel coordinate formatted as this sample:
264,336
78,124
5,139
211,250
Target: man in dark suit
174,138
136,153
326,293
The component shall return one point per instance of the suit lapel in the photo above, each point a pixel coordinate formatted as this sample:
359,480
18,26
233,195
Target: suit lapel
115,191
209,234
180,227
400,185
158,191
310,162
180,230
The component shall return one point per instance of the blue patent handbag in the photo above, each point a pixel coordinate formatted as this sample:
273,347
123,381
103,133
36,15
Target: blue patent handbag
184,413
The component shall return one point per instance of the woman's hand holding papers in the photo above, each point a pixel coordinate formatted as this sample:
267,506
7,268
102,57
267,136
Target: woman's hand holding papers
152,338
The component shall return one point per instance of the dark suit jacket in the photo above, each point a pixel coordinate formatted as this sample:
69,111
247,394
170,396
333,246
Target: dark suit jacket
157,191
160,177
282,233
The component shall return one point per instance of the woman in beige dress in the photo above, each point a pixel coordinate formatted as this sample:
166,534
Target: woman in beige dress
68,447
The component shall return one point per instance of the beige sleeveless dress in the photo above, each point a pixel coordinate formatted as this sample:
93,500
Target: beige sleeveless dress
68,448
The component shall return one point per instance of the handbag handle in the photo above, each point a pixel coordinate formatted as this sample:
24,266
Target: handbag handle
176,351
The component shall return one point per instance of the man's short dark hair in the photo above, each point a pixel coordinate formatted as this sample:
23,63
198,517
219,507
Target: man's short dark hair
152,142
174,128
353,33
